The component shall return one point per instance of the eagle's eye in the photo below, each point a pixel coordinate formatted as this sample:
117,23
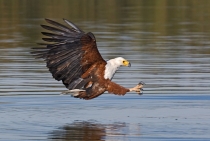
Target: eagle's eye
124,62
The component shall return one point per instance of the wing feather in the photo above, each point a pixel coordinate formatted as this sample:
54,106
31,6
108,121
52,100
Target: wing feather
74,27
69,52
63,27
56,30
53,40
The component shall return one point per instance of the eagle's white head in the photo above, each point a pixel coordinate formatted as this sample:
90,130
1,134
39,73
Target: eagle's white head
112,66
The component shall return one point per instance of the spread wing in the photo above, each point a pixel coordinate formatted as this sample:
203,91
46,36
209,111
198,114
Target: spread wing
69,53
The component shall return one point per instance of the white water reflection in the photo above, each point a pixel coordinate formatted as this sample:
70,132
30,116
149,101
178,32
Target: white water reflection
148,117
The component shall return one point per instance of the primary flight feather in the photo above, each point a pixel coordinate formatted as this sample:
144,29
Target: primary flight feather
72,56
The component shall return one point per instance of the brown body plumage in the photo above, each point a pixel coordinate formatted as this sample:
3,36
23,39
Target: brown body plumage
73,57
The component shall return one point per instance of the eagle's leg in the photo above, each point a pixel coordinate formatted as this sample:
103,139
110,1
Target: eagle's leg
138,88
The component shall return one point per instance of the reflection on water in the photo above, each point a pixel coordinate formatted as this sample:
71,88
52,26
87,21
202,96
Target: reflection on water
110,118
88,131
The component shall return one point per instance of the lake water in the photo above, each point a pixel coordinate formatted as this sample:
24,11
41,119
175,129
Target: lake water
167,43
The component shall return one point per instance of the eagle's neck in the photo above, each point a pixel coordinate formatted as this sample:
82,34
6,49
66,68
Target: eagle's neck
110,69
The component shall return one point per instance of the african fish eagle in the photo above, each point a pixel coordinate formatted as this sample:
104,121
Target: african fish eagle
72,56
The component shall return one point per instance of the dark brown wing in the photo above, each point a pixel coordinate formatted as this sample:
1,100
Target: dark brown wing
69,53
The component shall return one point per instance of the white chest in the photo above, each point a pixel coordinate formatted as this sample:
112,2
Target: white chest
110,70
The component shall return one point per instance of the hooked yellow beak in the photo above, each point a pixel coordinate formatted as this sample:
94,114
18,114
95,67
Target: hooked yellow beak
126,63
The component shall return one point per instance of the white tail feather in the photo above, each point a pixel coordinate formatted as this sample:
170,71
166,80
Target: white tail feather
74,92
